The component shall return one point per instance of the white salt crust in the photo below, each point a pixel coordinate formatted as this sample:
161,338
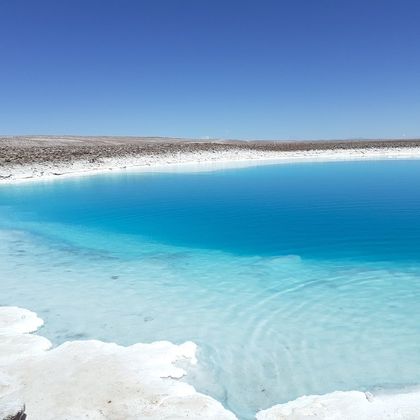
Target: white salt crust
94,380
351,405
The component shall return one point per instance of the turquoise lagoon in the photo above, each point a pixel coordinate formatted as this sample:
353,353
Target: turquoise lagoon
292,279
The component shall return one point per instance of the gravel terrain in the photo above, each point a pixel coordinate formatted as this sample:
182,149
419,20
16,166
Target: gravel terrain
23,150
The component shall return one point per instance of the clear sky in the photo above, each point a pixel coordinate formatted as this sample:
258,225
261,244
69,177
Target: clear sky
280,69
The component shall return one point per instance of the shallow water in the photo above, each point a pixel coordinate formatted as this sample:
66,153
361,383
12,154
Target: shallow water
292,279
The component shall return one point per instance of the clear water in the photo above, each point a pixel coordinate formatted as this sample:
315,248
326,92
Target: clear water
292,279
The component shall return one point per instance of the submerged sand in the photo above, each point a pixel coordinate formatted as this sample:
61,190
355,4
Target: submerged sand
33,157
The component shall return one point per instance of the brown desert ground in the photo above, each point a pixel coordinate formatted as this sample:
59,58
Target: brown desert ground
24,150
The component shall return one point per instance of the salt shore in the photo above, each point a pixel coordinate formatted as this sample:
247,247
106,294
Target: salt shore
33,158
97,380
350,405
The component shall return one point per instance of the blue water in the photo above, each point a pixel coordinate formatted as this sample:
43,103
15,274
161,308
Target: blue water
292,279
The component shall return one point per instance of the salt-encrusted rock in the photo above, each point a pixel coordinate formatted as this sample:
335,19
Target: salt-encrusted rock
351,405
11,407
96,380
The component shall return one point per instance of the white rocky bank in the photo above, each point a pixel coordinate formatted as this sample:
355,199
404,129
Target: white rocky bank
96,381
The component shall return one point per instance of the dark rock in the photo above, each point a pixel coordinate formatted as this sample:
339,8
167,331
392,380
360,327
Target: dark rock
18,416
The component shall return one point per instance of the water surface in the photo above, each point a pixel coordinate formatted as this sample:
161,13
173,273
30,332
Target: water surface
292,279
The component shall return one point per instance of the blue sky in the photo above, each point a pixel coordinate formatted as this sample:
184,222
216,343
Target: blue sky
195,68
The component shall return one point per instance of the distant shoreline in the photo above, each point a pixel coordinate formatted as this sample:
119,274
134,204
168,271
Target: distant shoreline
29,158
